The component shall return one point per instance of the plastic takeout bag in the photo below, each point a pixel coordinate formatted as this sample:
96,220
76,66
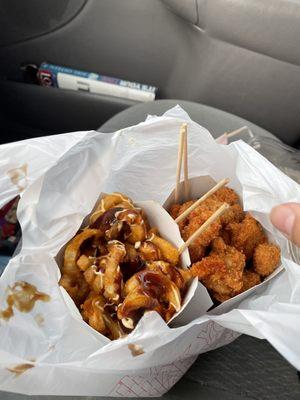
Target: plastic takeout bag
21,163
50,349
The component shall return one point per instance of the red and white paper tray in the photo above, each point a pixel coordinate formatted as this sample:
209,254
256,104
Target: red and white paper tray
50,350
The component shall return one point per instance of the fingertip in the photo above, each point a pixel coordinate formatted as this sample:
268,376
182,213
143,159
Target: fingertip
283,218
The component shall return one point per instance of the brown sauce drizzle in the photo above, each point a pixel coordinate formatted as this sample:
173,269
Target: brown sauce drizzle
131,267
131,216
22,296
106,220
152,284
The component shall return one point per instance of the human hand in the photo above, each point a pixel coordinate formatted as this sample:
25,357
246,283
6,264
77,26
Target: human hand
286,218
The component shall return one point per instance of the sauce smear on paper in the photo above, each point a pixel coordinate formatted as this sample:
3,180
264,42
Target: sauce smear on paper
136,349
22,296
20,368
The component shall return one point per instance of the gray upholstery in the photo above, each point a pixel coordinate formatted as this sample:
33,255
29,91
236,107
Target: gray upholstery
216,121
250,59
241,56
266,27
27,25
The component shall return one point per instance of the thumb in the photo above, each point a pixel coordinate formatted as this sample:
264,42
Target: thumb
286,218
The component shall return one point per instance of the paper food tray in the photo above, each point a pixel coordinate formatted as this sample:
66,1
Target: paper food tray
198,187
196,300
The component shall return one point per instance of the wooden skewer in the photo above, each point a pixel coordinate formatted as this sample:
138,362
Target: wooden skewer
224,137
236,131
220,184
204,226
179,161
185,165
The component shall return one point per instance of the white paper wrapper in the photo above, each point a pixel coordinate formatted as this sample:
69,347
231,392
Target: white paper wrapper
21,163
62,354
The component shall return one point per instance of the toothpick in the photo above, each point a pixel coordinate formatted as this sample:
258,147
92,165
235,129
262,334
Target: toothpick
204,226
185,165
236,131
220,184
179,161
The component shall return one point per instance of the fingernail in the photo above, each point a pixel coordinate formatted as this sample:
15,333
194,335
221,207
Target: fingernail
283,218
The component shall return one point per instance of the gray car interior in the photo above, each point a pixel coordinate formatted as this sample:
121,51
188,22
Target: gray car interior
237,56
228,63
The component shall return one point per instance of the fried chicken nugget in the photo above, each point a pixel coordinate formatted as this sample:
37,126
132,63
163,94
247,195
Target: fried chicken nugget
178,209
174,210
225,235
208,235
196,251
208,266
222,271
221,297
245,236
226,195
198,216
197,248
250,279
218,245
266,258
234,213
